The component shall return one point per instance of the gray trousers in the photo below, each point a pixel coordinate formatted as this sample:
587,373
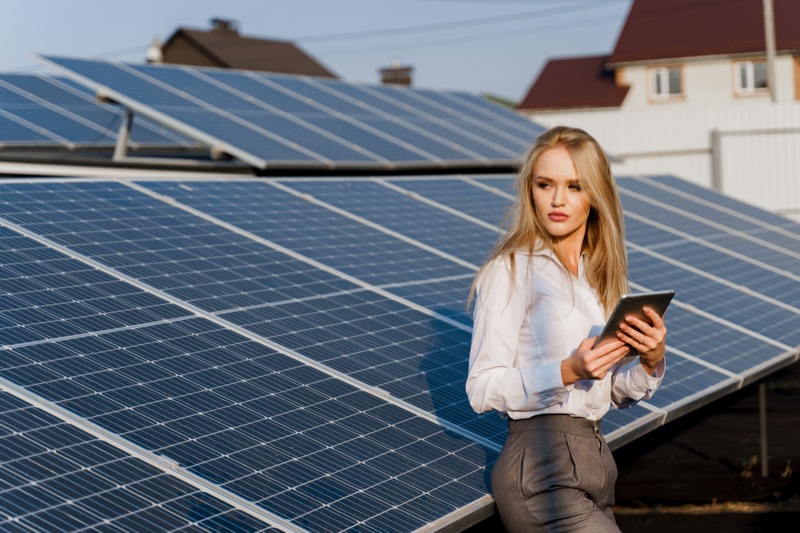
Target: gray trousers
555,474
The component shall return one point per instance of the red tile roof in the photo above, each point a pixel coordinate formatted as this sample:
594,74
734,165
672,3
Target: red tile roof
671,29
574,82
227,49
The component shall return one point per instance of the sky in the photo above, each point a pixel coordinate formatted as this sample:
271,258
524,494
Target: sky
479,46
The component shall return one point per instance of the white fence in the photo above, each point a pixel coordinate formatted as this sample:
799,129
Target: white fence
750,152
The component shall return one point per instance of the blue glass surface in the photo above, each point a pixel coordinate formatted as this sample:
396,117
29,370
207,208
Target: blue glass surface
383,106
61,125
287,113
57,477
727,202
172,250
58,107
741,308
407,216
12,131
657,217
314,231
462,196
469,102
230,410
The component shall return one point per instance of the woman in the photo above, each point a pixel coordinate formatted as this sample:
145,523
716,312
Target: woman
552,278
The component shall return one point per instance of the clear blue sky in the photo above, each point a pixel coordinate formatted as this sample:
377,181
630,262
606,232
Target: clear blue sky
494,46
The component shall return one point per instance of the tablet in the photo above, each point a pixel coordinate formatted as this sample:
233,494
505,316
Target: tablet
631,305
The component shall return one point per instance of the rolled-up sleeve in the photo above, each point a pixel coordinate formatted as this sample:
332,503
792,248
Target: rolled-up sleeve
630,382
494,381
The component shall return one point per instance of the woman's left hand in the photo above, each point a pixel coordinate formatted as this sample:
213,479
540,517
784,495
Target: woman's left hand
647,339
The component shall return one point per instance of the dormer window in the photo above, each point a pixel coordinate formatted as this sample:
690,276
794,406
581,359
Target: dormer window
665,83
751,77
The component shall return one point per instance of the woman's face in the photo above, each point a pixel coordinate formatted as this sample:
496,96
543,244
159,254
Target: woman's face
561,206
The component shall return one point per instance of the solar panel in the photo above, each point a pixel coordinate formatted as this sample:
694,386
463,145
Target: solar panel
57,476
300,345
50,110
297,442
363,334
267,120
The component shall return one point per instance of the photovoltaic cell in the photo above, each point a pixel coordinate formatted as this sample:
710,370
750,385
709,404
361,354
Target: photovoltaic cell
269,119
382,105
462,196
299,442
48,295
711,231
677,190
407,216
56,477
316,232
253,421
12,131
737,306
197,261
71,115
349,336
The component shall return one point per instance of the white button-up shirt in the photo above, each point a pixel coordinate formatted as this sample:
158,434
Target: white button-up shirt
524,327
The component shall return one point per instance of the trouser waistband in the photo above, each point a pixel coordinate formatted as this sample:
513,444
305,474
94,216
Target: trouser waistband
561,423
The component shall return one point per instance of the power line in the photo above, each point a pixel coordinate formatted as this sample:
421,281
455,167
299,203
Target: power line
590,4
539,30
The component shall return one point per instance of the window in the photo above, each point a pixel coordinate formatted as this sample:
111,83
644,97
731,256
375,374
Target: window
751,77
666,83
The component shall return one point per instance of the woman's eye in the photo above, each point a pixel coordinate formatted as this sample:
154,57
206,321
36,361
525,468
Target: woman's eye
575,187
543,185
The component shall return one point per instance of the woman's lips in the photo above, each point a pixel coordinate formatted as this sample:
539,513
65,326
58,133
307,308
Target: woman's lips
557,216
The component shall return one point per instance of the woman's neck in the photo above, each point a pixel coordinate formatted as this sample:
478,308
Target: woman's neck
569,251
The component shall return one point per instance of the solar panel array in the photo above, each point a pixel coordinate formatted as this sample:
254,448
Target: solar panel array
51,111
291,353
269,120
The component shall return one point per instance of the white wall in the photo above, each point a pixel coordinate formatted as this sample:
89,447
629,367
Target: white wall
755,166
707,82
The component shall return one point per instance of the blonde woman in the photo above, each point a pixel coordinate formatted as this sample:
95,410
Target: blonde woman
552,278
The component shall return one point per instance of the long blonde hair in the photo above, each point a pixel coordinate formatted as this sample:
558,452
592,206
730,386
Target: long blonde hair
604,242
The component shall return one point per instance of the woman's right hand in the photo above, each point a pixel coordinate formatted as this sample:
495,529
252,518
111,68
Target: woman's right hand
586,363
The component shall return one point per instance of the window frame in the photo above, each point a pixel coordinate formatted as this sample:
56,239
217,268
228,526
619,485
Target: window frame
751,90
662,74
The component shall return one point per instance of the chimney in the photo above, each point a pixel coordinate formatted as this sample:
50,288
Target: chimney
155,53
221,24
397,74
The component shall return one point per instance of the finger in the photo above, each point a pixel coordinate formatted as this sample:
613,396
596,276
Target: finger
632,333
614,357
657,320
644,332
609,346
636,339
639,324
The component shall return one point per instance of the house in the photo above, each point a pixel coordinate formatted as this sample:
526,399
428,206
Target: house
684,91
678,53
222,46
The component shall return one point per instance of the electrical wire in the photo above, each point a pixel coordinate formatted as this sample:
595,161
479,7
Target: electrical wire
590,4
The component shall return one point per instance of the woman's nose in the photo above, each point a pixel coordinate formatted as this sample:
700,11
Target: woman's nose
558,197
